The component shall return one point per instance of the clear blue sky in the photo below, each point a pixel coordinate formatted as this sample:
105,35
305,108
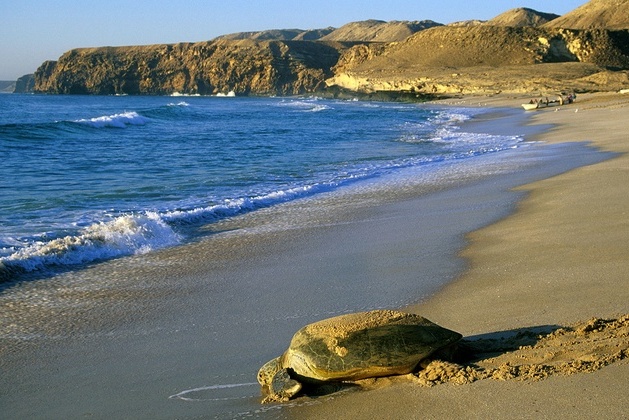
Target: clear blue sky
32,31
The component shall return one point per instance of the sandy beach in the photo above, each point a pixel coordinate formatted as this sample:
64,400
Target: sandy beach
559,261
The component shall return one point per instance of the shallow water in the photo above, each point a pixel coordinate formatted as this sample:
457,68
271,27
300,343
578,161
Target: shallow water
91,178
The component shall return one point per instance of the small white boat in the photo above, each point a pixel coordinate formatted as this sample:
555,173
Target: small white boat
545,103
530,107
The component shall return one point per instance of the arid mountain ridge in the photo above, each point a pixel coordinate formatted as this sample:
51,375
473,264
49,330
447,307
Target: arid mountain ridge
521,50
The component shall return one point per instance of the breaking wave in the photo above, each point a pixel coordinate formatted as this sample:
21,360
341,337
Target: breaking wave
144,217
115,121
124,235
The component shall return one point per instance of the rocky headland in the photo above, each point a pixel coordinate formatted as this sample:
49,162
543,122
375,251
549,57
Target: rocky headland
521,50
7,86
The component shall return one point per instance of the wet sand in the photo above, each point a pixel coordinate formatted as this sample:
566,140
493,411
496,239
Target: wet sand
560,260
117,339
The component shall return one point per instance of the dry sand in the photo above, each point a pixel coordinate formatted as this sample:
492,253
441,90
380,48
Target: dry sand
545,297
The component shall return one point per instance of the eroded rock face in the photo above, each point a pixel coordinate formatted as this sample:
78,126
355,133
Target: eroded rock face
485,59
244,66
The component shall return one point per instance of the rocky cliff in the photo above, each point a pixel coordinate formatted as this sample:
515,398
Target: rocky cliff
484,59
244,66
25,84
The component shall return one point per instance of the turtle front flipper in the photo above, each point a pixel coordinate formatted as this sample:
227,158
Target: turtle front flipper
282,387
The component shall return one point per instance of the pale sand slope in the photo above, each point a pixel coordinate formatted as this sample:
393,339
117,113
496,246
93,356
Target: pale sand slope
561,260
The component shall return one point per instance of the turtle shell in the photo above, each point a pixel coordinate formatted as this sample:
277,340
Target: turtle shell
363,345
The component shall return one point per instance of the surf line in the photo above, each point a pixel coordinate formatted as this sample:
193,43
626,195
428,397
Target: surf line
182,394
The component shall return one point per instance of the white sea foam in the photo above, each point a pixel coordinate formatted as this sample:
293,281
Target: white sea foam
182,103
230,94
124,235
177,94
306,105
233,207
116,120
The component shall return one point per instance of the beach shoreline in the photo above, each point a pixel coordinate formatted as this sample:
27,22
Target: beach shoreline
206,319
560,258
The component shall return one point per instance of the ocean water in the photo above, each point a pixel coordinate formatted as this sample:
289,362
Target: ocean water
85,179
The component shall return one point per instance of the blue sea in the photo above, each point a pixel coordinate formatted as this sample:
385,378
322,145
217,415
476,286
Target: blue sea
90,178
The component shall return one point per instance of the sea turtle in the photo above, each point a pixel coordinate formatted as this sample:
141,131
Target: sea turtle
352,347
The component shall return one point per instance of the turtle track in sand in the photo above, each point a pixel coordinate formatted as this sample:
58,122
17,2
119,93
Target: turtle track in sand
527,355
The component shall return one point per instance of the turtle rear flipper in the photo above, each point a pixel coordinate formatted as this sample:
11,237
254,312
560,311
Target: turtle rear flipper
282,387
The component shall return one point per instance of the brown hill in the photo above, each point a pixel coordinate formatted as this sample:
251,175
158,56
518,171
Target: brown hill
491,46
486,59
473,22
363,31
314,34
279,35
378,31
521,17
605,14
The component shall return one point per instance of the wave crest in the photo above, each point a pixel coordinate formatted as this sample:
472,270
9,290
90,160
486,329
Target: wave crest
124,235
116,121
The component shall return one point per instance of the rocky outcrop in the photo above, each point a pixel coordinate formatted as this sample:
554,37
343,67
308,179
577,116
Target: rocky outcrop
245,66
25,84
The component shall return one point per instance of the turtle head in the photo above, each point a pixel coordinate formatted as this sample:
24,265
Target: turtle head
277,382
268,371
282,387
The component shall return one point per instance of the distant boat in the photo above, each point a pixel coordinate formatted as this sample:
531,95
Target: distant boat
545,103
